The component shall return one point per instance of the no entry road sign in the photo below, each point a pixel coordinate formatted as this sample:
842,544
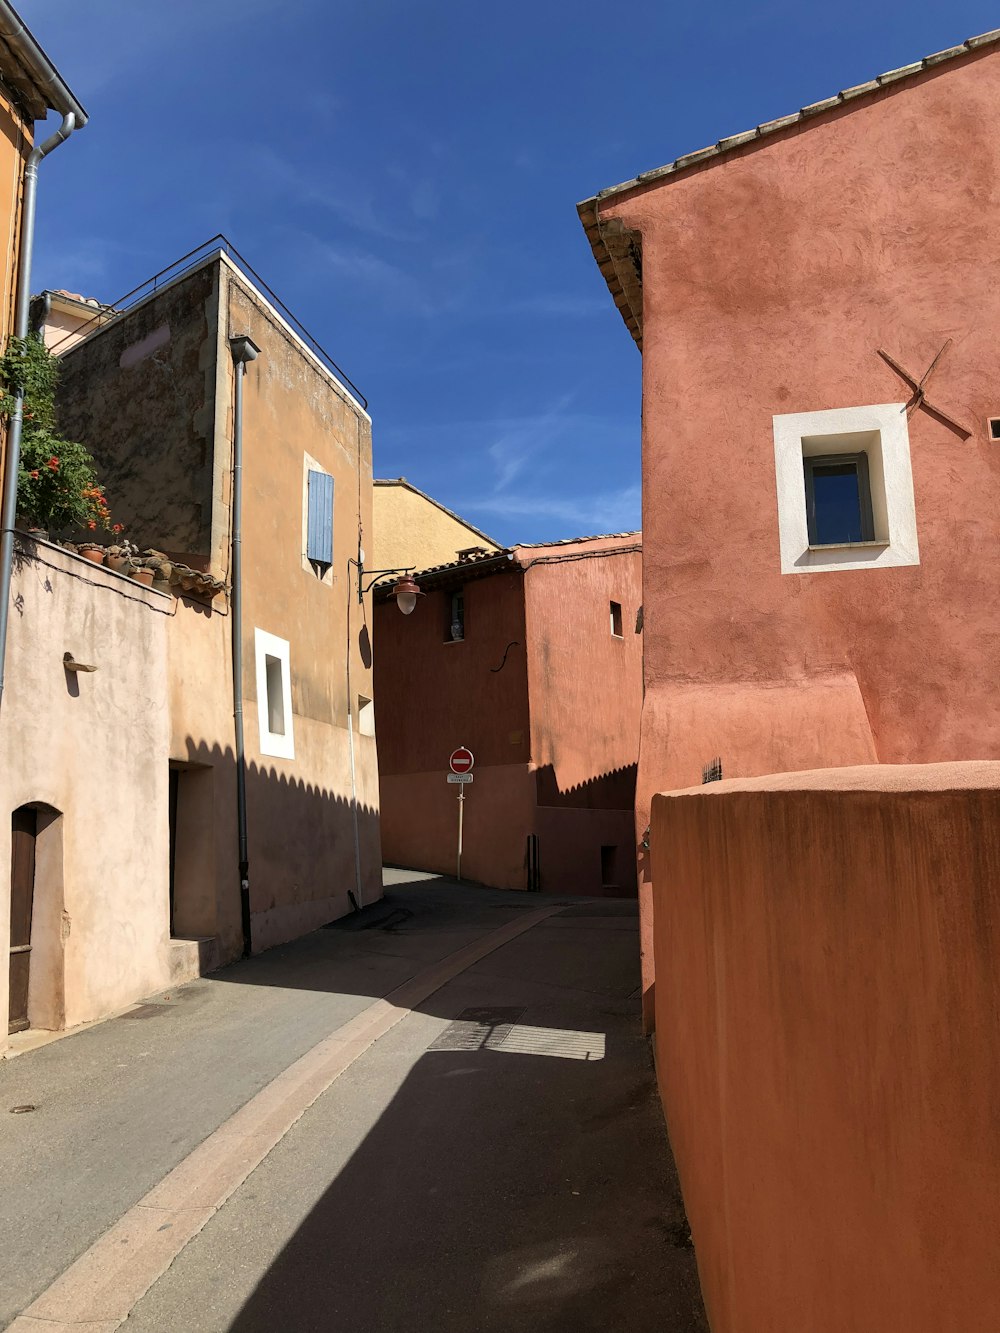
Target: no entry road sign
461,760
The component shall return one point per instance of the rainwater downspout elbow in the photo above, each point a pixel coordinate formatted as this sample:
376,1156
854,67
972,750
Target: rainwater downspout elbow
8,508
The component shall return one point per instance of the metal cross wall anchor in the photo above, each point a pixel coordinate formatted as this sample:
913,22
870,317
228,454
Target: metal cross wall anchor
920,398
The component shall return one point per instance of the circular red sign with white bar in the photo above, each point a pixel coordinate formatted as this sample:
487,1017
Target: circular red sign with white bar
461,760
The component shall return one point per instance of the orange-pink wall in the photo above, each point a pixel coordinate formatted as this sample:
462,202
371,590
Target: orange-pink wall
554,727
585,687
826,1010
771,277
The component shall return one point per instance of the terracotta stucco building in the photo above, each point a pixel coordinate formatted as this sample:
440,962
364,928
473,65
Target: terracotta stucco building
531,657
816,301
789,288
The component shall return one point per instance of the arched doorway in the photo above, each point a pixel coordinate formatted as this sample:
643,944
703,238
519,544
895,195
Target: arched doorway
24,834
38,924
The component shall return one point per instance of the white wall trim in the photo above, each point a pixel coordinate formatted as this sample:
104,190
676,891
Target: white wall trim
888,448
278,744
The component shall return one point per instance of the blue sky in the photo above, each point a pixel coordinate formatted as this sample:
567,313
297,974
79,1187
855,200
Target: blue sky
404,174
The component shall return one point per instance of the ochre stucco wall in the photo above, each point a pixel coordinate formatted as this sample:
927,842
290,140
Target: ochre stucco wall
300,812
411,530
92,747
826,1004
771,277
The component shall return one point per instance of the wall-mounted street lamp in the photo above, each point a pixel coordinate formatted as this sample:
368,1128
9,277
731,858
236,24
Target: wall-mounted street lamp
404,590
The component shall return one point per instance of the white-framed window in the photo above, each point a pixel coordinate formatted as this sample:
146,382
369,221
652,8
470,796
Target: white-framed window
616,620
274,695
845,489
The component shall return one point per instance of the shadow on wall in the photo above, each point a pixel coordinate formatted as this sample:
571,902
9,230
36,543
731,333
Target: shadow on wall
301,850
614,790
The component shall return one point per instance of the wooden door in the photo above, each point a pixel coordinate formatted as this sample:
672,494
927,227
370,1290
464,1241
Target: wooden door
24,827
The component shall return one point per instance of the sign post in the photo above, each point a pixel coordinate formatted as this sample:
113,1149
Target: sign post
460,762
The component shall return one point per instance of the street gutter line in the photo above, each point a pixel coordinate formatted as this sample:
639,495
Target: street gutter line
99,1290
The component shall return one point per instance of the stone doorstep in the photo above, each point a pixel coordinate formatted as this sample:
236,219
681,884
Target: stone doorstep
189,958
192,957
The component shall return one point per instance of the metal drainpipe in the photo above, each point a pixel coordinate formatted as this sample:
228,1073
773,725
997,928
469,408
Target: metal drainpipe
8,514
243,350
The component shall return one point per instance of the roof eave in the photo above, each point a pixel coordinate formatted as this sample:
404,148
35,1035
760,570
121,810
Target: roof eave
43,88
624,280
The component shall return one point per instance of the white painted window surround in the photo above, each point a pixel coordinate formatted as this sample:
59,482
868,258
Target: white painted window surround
881,432
274,695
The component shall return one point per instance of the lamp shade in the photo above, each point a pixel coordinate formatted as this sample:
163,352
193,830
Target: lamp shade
406,593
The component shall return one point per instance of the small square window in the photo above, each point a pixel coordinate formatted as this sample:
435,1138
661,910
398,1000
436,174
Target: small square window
455,628
838,499
616,619
994,423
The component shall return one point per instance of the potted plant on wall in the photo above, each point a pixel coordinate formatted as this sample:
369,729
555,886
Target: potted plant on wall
57,486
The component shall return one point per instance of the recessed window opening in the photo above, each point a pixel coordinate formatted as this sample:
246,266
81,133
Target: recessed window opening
616,619
838,499
319,521
366,716
455,629
609,866
994,423
275,696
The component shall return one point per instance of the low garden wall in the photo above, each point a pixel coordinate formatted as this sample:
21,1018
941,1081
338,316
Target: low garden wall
827,1001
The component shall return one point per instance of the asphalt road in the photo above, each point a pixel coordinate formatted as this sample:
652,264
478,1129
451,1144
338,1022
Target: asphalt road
496,1161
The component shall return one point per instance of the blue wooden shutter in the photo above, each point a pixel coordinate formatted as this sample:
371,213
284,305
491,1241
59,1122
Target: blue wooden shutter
319,540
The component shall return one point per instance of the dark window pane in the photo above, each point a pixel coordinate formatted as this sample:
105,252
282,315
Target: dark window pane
836,504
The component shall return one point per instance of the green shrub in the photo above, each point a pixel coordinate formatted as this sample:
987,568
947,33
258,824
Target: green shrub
57,486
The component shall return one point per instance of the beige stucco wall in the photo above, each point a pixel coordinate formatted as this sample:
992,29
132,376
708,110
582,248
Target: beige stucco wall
411,530
92,747
152,394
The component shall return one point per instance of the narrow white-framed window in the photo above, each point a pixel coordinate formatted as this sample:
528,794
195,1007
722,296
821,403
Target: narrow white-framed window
845,490
616,620
274,695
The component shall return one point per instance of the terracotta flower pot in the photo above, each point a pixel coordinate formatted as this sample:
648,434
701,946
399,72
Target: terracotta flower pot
94,553
144,576
119,563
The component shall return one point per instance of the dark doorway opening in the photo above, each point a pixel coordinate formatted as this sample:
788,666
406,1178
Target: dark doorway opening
609,867
24,832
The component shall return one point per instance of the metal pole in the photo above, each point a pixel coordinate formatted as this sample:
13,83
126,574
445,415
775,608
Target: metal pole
461,811
15,425
237,628
243,350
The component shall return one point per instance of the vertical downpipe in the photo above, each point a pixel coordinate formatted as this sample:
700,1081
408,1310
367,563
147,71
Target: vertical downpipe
8,513
243,350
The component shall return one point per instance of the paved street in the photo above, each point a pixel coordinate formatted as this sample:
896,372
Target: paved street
495,1159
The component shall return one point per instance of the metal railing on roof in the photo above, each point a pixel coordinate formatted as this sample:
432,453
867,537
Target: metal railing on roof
217,244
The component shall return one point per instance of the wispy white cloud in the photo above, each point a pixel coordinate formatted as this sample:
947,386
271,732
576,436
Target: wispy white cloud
603,511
